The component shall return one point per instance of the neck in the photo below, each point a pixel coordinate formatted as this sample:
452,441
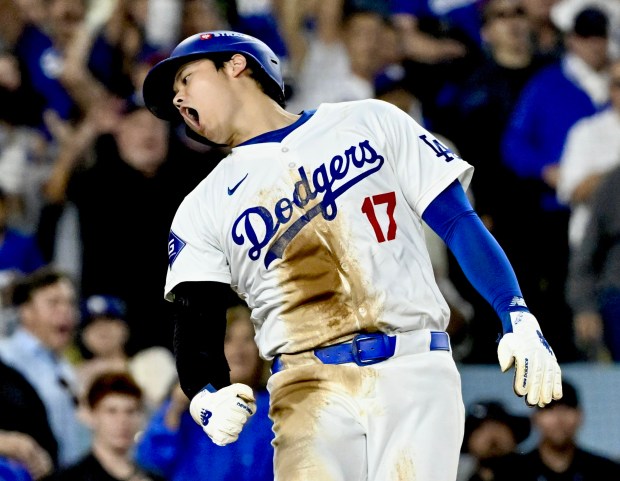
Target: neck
260,116
116,462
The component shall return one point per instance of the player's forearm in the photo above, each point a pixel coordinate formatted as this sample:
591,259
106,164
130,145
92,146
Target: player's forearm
482,260
200,326
486,266
196,365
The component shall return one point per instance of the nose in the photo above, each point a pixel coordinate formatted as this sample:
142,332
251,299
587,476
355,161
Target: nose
177,100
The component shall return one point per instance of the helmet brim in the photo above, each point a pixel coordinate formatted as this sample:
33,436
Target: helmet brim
157,89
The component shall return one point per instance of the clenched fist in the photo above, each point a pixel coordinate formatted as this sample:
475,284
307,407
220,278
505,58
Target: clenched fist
222,414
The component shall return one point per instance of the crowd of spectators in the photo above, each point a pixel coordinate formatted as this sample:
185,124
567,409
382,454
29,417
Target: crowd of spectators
527,91
493,446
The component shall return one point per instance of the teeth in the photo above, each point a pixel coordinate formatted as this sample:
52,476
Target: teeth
193,114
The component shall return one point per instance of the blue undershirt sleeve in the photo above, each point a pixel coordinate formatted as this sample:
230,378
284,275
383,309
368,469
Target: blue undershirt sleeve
481,258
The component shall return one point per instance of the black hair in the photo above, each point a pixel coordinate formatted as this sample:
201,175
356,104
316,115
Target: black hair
265,82
41,278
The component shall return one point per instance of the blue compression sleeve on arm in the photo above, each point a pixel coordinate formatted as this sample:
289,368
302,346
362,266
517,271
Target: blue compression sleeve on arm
481,258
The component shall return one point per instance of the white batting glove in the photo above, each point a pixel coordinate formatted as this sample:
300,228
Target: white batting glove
537,373
222,414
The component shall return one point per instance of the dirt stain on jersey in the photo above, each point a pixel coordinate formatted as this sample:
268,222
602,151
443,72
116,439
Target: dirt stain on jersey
404,470
327,297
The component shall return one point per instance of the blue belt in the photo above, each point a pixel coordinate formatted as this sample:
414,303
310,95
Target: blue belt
366,349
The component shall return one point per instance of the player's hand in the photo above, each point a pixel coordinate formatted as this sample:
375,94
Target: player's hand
537,374
222,414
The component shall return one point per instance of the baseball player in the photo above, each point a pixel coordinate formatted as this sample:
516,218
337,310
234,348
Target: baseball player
315,220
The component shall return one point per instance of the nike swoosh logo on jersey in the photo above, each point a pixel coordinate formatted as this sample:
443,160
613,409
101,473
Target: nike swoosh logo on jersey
231,191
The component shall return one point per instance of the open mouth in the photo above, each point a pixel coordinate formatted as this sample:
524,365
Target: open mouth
191,115
64,332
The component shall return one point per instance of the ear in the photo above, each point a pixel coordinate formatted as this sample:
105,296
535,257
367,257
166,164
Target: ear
238,64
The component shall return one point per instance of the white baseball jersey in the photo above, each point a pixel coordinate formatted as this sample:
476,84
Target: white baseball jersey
321,233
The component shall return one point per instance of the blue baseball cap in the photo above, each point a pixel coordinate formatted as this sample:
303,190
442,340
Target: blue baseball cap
103,306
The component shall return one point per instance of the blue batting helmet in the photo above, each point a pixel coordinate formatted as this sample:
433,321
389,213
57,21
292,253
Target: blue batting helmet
157,89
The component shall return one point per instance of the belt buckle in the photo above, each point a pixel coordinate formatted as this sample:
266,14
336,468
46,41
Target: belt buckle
356,348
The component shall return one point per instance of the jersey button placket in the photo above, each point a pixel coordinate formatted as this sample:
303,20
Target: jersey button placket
291,164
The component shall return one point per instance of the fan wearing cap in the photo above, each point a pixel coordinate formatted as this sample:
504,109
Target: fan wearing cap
491,433
102,342
102,336
558,455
